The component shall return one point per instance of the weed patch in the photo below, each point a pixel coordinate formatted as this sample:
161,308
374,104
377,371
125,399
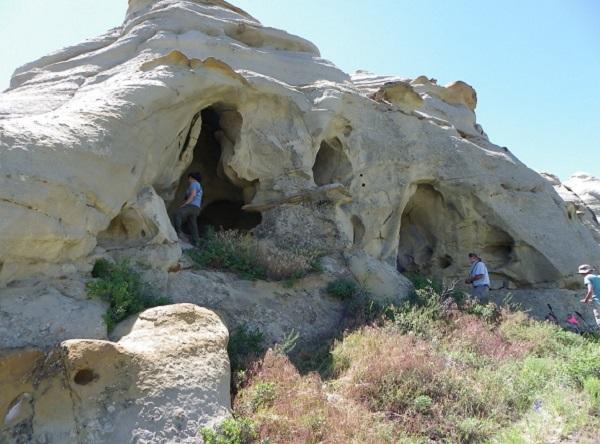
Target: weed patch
122,287
435,369
342,288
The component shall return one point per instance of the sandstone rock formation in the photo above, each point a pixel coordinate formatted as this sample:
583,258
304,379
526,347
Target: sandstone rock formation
585,207
165,377
587,188
87,132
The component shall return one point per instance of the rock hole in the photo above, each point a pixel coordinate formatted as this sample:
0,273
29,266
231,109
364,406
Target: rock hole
85,376
358,230
332,164
224,193
445,261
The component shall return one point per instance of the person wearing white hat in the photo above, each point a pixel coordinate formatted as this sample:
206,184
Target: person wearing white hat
592,285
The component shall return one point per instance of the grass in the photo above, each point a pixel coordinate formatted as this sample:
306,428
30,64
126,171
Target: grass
342,288
231,251
123,288
437,368
253,259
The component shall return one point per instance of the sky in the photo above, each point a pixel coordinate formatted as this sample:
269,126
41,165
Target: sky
535,64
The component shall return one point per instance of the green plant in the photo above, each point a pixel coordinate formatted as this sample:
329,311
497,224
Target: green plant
342,288
263,395
231,431
229,250
422,403
288,343
245,344
591,386
122,287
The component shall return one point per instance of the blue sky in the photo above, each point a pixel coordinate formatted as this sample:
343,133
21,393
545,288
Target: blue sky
535,65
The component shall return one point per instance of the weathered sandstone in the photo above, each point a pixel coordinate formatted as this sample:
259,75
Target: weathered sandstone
165,377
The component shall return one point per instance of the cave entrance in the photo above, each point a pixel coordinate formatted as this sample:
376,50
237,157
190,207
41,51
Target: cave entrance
332,164
224,192
437,232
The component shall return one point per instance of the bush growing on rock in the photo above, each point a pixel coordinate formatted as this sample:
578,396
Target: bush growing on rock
123,288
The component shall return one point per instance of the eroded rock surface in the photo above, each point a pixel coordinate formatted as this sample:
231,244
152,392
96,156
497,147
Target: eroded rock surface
587,188
584,208
165,377
87,132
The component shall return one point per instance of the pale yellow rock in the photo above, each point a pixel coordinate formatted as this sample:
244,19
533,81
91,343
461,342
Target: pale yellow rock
165,378
84,131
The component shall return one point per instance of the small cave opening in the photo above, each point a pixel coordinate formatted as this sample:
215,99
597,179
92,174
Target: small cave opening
420,232
85,376
224,193
358,230
332,164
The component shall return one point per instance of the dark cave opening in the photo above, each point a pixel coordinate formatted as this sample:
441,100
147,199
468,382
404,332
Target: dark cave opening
224,194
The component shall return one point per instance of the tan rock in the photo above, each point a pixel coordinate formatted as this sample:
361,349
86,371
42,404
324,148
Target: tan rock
165,378
84,131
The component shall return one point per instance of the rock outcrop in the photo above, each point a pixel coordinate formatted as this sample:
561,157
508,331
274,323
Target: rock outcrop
165,377
587,188
585,208
94,141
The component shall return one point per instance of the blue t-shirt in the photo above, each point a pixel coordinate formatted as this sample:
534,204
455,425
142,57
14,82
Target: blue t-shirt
197,201
479,268
594,280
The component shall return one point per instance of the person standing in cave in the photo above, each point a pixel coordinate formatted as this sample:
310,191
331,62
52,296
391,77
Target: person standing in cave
478,276
592,289
189,210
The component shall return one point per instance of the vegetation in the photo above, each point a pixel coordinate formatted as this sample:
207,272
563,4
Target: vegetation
123,288
342,288
229,250
245,345
231,431
241,253
441,367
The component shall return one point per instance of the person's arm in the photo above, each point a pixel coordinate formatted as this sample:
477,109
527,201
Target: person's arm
589,294
475,278
189,199
480,274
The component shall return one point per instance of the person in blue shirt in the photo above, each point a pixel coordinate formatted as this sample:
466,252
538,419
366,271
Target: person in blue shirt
592,287
189,210
478,276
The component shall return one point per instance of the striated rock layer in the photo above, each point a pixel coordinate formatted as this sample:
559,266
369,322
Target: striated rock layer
165,378
95,139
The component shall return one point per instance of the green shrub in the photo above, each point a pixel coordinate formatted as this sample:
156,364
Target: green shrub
422,403
122,287
420,281
229,250
342,288
245,344
584,363
263,395
231,431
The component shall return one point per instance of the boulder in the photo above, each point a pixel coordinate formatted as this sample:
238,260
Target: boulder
164,378
43,314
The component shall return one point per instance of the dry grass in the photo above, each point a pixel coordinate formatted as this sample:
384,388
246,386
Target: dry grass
285,263
429,373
